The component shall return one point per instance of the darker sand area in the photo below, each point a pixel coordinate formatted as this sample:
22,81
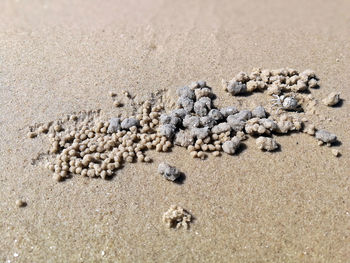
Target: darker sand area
59,57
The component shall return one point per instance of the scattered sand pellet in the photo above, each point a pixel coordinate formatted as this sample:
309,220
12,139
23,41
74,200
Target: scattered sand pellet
336,152
266,143
31,134
332,99
112,94
177,217
21,203
310,129
117,103
169,172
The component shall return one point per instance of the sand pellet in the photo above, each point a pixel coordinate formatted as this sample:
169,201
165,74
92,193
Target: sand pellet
21,203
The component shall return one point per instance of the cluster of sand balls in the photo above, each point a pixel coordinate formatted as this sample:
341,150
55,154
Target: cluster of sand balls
203,128
274,81
92,150
95,148
291,85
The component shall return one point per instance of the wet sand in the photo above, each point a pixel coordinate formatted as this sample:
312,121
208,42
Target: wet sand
60,57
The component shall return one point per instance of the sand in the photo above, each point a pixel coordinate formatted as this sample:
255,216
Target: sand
59,57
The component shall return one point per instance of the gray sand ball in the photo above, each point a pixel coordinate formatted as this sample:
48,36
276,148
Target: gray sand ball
200,108
185,92
191,121
215,114
114,125
129,122
167,130
259,112
228,111
184,138
236,88
169,172
230,147
185,103
325,136
200,133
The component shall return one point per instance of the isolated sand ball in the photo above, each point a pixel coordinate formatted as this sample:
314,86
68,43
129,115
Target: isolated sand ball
21,203
266,143
332,99
57,177
216,153
31,135
336,152
194,154
148,159
325,136
177,217
170,173
57,127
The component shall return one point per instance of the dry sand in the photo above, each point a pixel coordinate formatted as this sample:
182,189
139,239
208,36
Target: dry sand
59,57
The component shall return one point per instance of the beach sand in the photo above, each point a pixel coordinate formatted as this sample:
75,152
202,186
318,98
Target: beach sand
59,57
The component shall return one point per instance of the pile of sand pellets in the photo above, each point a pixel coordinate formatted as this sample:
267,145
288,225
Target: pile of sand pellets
83,144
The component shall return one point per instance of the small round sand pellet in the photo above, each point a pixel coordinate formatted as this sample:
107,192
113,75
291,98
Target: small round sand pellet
216,153
204,147
57,127
211,147
336,152
194,154
21,203
51,167
159,147
73,117
31,135
190,148
199,142
140,158
103,174
206,140
84,172
200,154
78,170
57,177
165,148
91,173
42,129
215,136
117,103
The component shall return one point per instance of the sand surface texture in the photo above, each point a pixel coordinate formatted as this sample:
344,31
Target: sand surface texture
59,57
